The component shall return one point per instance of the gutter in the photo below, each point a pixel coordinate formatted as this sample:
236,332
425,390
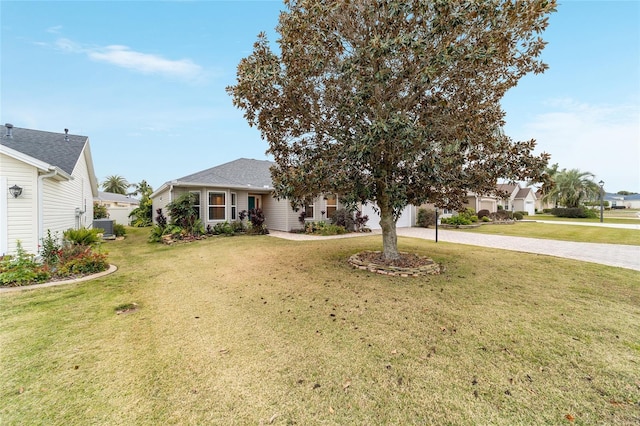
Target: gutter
41,179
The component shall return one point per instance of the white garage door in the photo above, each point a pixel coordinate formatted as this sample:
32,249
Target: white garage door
404,221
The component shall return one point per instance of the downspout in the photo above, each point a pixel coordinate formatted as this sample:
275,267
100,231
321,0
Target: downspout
41,179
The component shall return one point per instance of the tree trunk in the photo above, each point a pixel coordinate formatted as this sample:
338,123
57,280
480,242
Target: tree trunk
389,236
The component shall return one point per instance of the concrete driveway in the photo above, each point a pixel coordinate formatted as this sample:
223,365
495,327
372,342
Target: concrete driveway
623,256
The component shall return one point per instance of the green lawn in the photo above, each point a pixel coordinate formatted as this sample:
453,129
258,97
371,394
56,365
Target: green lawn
257,330
585,234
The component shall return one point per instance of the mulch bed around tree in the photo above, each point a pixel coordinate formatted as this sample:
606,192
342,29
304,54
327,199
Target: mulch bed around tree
408,265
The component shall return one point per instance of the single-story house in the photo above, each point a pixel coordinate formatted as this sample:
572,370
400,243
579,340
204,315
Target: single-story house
223,191
47,182
118,206
623,201
518,198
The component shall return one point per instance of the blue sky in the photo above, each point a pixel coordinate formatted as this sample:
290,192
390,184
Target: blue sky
145,81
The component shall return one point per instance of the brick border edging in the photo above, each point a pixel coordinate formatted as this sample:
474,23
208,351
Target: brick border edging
112,269
432,268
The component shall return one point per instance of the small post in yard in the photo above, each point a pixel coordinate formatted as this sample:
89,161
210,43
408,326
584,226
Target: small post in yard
436,224
601,183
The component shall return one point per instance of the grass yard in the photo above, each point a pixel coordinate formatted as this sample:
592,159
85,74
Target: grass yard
585,234
256,330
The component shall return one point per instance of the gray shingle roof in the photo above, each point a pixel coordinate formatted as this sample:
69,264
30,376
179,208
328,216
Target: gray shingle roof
49,147
238,173
119,198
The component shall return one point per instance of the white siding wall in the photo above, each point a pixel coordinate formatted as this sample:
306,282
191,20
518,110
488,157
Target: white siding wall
21,217
160,201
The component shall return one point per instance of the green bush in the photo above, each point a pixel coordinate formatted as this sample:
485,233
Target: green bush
222,228
426,217
83,261
50,249
119,230
324,228
575,212
100,211
21,269
343,218
518,216
457,220
82,236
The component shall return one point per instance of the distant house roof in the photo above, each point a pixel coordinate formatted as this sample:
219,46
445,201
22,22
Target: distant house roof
243,172
116,198
524,192
57,149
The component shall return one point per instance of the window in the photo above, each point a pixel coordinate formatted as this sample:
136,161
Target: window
332,205
233,206
217,206
308,211
196,203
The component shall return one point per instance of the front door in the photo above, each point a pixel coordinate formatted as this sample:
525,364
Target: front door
255,202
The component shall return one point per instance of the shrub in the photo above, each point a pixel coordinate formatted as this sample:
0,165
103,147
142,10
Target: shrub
100,211
324,228
119,230
50,249
81,260
501,216
575,212
222,228
486,219
82,236
256,217
518,216
343,218
360,221
426,217
21,269
457,220
523,212
482,214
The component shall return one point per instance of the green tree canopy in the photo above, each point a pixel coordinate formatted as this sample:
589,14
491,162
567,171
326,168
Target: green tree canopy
392,101
116,185
572,187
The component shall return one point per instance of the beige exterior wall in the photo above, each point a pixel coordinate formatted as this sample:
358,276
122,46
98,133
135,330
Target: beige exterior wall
160,201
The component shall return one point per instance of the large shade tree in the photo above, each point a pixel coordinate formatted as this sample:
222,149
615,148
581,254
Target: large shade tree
394,102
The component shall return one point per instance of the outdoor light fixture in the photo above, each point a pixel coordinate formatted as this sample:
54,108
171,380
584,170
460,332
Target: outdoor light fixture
15,190
601,183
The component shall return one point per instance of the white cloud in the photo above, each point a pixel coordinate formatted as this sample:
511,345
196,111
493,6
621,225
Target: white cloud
602,139
145,63
54,30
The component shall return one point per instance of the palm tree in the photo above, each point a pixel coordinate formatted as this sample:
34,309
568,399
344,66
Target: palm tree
572,187
142,188
116,185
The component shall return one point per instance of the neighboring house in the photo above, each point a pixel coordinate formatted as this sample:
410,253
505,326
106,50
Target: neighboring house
623,201
47,182
118,206
518,198
222,192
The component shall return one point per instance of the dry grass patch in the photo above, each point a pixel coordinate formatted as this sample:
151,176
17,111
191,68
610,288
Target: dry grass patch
247,330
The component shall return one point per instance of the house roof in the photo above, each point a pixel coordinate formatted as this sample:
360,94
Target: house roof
117,198
524,192
243,172
48,147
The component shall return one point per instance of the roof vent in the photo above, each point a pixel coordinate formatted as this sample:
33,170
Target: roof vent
9,127
66,135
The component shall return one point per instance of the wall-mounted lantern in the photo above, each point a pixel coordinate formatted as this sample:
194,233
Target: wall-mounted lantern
15,190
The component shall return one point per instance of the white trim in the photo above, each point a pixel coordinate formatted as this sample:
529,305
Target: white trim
4,212
209,205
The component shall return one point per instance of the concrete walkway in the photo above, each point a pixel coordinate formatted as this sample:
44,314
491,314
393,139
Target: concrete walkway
623,256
